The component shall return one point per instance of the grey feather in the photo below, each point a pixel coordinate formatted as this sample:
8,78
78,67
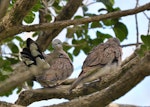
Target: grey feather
104,54
60,66
54,67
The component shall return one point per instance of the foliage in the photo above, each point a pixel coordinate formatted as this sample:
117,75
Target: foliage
146,46
78,37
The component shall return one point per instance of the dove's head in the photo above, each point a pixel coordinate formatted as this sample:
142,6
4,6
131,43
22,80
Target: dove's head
57,44
114,40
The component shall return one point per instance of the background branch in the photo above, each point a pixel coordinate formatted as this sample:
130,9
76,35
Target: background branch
6,104
19,77
10,31
136,24
132,44
17,13
123,105
3,7
67,12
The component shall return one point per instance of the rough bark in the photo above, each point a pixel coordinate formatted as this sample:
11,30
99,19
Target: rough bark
11,25
14,17
102,93
11,31
67,12
3,7
5,104
102,98
17,13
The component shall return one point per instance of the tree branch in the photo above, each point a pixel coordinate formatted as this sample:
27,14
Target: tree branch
136,24
17,13
132,44
123,105
3,7
14,17
67,12
14,81
61,24
136,66
5,104
19,76
124,84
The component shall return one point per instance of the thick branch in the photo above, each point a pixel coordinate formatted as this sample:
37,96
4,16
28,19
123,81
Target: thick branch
123,105
5,104
61,24
18,12
19,76
3,7
15,81
15,16
124,84
67,12
132,67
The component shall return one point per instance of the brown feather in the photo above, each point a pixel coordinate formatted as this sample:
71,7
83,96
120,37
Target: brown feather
60,68
104,54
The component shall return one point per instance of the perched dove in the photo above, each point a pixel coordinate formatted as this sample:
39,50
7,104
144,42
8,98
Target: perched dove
104,54
60,64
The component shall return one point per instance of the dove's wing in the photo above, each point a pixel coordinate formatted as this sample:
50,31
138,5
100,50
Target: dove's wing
102,55
60,69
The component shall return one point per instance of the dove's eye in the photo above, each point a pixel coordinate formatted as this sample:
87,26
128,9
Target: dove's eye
58,43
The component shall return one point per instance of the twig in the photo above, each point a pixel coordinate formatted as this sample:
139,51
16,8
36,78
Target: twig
132,44
44,26
146,16
136,24
148,31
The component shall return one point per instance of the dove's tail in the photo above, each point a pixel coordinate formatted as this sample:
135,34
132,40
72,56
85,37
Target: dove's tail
76,82
31,53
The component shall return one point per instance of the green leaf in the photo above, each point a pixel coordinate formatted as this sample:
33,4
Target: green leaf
107,22
79,32
66,46
12,60
121,31
89,14
78,17
29,18
74,41
70,32
110,22
48,17
107,2
21,41
102,36
7,93
143,50
57,7
70,55
76,51
95,25
84,8
13,47
146,39
5,69
37,6
86,49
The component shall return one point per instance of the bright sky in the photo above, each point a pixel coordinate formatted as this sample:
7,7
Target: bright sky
140,94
